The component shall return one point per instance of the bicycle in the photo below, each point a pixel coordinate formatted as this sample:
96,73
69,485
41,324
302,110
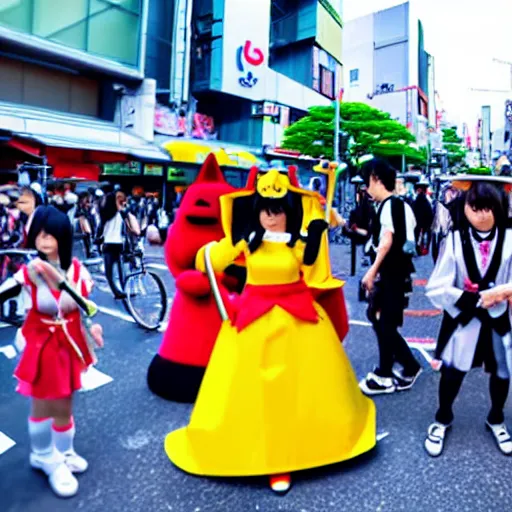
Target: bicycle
145,295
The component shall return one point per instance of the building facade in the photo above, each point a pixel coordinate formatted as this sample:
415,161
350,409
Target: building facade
386,66
258,66
64,80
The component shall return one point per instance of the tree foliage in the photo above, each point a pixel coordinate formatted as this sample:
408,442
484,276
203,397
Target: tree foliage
372,130
454,145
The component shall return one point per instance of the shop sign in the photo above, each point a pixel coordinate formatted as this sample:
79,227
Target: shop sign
181,176
122,169
153,170
248,58
180,122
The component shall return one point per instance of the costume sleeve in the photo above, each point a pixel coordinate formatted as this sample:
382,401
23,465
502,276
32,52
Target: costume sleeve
12,286
86,280
222,254
441,289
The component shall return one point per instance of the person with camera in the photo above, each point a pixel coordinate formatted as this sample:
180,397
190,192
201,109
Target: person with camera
388,281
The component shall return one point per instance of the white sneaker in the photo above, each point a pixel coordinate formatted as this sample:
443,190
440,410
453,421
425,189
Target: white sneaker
501,436
434,443
60,478
374,384
75,463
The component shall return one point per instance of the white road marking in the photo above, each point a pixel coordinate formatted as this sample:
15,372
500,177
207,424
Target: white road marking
163,327
360,322
382,435
157,266
116,314
6,443
8,351
423,352
93,379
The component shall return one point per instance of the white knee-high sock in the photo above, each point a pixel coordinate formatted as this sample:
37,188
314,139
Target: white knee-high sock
40,432
63,437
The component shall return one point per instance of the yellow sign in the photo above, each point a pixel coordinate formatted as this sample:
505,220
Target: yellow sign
329,34
192,152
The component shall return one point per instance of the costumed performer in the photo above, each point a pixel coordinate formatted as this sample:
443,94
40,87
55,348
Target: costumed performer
57,347
176,371
279,394
476,257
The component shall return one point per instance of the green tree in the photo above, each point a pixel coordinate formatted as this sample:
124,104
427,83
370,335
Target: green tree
453,144
372,131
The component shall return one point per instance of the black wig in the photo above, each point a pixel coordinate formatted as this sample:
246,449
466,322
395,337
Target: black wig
57,224
487,196
290,205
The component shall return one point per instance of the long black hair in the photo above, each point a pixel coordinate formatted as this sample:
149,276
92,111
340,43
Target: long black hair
108,207
290,205
57,224
487,196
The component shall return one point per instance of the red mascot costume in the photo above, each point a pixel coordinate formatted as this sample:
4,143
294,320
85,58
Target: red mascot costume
177,370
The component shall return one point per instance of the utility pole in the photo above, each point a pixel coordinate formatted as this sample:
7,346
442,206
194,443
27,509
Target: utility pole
337,126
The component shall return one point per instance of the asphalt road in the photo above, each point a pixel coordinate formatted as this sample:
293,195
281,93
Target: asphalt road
121,427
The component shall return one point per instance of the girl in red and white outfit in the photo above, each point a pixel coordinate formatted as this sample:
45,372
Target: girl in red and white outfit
57,349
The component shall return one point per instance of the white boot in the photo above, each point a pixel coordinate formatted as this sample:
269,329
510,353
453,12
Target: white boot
46,458
60,478
63,438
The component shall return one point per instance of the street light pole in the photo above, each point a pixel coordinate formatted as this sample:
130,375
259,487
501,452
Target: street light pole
336,130
337,126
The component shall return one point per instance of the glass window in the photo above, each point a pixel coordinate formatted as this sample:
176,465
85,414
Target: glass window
107,28
354,75
327,82
16,14
113,34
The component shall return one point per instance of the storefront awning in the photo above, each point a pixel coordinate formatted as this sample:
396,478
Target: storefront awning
70,140
195,152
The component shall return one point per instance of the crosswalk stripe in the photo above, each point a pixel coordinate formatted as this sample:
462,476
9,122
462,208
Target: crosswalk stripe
116,314
8,351
93,379
6,443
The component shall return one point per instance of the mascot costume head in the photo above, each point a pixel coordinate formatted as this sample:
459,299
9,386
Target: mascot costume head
177,370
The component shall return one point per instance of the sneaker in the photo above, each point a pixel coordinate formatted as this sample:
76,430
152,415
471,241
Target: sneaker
403,382
501,436
75,463
373,384
434,443
60,478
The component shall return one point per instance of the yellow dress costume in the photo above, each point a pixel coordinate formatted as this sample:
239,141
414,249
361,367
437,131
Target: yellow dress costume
279,395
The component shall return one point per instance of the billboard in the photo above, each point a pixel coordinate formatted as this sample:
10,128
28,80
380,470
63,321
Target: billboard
245,47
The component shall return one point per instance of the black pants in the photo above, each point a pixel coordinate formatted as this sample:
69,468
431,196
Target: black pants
451,381
386,314
111,257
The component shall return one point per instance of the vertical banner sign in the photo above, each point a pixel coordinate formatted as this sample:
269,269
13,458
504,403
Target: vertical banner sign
485,149
316,68
245,47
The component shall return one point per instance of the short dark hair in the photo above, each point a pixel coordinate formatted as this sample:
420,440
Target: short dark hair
381,171
487,196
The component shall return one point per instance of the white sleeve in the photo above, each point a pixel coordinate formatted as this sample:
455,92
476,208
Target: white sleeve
386,220
441,289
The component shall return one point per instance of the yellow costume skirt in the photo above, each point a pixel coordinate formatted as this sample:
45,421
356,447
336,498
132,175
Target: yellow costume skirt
277,397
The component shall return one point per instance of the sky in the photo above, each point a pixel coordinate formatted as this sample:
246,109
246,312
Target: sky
464,36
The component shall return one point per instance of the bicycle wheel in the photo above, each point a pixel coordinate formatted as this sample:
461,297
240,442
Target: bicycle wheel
146,299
